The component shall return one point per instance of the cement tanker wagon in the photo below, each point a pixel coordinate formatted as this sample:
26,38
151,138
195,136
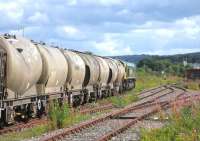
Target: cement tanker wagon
23,70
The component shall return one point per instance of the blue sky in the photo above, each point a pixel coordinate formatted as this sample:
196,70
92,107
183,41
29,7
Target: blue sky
107,27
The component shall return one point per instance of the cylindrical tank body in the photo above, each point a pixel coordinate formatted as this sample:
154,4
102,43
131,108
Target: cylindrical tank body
55,67
76,70
92,69
113,70
104,71
24,63
121,71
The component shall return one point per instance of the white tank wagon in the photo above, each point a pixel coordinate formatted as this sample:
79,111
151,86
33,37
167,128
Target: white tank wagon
24,65
120,76
23,70
103,77
75,77
92,72
113,72
54,71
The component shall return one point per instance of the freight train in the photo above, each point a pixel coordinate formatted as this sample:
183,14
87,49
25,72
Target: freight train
32,74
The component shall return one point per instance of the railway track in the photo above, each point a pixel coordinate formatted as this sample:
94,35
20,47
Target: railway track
22,126
82,110
35,122
104,128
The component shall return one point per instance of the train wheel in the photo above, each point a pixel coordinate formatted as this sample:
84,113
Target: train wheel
94,96
99,94
40,108
81,101
88,96
70,100
2,120
1,124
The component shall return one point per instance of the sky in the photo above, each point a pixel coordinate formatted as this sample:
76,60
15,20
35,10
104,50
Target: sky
107,27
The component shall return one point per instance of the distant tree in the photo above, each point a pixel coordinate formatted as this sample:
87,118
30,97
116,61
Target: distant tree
162,65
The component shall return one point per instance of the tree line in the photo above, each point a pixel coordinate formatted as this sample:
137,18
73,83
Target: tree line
163,66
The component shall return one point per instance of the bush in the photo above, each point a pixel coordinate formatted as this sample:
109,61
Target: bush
57,114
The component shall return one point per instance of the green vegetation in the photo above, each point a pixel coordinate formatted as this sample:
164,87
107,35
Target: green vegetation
183,126
58,115
124,100
192,85
191,57
148,79
32,132
163,65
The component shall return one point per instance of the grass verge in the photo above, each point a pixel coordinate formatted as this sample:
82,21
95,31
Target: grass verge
192,85
184,125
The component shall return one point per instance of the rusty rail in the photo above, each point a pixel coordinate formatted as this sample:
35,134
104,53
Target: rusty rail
35,122
84,125
184,101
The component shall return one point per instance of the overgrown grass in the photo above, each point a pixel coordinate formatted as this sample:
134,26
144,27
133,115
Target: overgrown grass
183,126
146,80
192,85
32,132
123,100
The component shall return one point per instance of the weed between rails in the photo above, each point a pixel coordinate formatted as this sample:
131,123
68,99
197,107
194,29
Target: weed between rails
61,116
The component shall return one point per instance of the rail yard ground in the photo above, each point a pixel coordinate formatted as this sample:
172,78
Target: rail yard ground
144,81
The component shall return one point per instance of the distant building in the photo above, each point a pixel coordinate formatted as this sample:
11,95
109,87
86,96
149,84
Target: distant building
193,74
194,65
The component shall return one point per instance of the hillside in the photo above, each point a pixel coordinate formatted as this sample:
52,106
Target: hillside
178,58
132,58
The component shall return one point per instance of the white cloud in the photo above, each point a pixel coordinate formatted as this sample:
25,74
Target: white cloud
123,12
70,30
107,27
72,2
111,2
106,3
38,17
164,33
190,26
110,46
13,9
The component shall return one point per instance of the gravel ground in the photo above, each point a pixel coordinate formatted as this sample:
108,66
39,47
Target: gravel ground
92,133
152,122
133,134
